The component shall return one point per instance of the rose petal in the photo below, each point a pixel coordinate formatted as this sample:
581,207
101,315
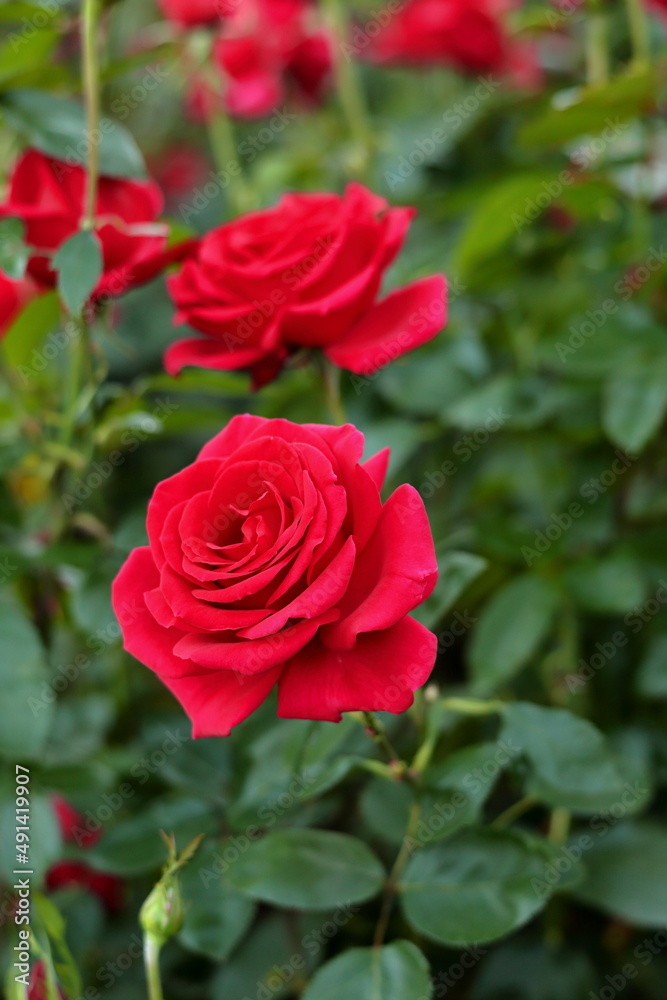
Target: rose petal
403,321
380,674
395,572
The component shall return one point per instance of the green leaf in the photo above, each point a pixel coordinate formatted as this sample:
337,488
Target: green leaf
652,674
133,846
626,873
23,680
217,916
398,971
511,628
49,921
13,251
457,571
22,53
79,266
57,127
27,333
502,212
476,887
612,585
571,763
599,108
269,962
307,870
634,407
527,970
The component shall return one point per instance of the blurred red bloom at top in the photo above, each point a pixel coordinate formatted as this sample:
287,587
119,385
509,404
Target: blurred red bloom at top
178,170
14,295
37,989
305,273
267,46
73,872
48,195
190,13
468,34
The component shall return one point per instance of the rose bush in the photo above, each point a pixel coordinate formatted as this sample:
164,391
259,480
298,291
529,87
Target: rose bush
305,274
273,562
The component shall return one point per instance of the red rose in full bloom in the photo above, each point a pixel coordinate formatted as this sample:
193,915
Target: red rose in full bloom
273,562
75,872
267,47
14,295
190,13
48,195
305,273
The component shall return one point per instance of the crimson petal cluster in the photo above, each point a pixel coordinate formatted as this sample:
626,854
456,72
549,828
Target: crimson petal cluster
305,273
273,562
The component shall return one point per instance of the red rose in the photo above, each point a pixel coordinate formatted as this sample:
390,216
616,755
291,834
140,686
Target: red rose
465,33
37,990
14,295
190,13
266,45
303,274
272,561
48,195
74,872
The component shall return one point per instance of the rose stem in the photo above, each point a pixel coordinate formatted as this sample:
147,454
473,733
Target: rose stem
391,888
332,393
639,32
597,55
222,139
152,963
349,88
91,89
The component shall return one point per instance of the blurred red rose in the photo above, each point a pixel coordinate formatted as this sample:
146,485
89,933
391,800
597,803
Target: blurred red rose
468,34
75,872
190,13
37,989
178,170
48,195
265,48
14,295
272,561
305,273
